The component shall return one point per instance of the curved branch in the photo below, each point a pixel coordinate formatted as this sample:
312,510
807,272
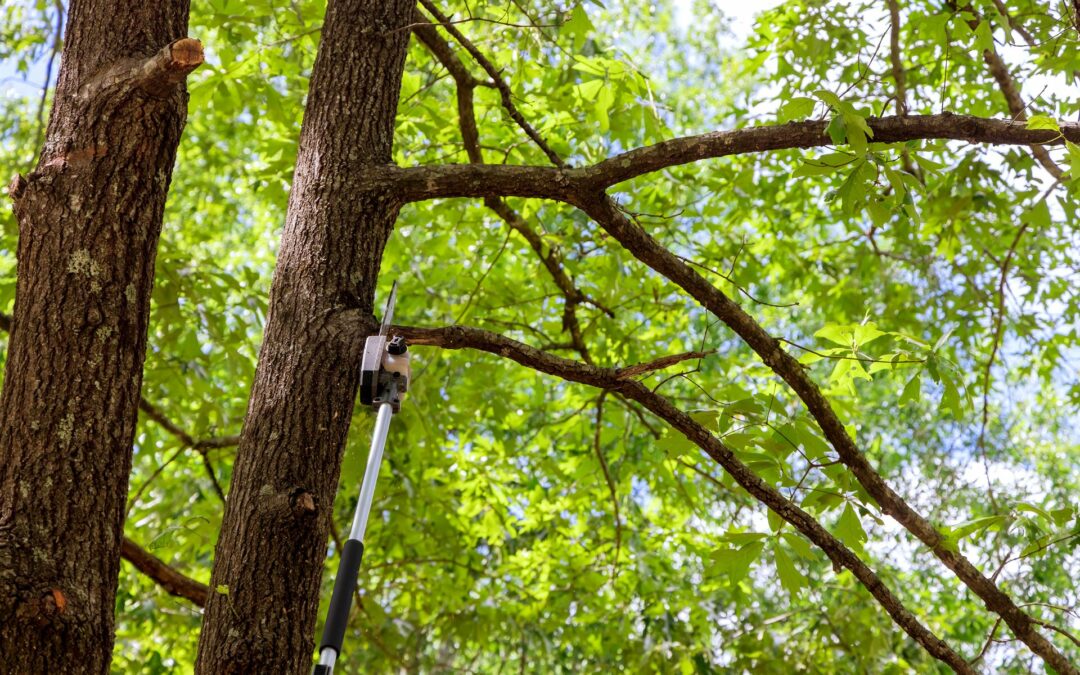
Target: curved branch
646,249
198,444
944,126
458,337
174,582
465,84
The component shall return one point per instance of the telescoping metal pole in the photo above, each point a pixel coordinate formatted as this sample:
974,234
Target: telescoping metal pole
353,551
384,379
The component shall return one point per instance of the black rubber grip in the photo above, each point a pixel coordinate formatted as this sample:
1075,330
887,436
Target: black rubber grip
341,601
320,669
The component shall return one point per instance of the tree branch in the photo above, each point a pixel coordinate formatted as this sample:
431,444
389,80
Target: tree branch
812,134
599,452
157,75
174,582
459,337
200,445
585,188
466,83
1007,85
662,362
572,185
646,249
899,76
500,84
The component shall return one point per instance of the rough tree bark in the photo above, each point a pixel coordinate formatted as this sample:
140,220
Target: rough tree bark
273,539
89,218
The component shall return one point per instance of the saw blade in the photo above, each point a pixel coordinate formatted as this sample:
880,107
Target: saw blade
388,313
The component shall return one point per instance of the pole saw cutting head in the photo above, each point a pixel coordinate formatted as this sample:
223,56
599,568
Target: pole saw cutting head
385,370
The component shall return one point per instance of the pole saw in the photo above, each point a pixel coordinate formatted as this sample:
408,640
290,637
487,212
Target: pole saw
384,379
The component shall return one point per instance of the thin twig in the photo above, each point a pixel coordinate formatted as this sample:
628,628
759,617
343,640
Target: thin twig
599,451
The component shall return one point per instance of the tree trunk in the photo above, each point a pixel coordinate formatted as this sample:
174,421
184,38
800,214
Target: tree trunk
89,218
262,609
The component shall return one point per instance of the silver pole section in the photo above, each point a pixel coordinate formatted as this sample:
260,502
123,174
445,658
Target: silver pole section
327,658
371,473
353,551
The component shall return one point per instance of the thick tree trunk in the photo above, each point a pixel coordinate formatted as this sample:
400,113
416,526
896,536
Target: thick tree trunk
89,218
270,552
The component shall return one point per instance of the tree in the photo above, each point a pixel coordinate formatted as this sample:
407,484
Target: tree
277,518
89,216
576,520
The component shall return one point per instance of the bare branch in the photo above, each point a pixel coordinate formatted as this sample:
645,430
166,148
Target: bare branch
602,459
200,445
898,73
466,83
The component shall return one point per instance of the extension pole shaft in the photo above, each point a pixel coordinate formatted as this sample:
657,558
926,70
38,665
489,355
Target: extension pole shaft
353,551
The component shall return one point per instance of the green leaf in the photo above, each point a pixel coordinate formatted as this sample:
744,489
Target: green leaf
836,333
797,108
1074,159
1062,515
951,398
588,90
604,99
813,445
790,578
675,444
735,562
1039,215
976,525
775,521
849,529
799,545
912,390
866,333
1037,510
830,99
984,38
579,25
836,130
706,418
1043,122
928,165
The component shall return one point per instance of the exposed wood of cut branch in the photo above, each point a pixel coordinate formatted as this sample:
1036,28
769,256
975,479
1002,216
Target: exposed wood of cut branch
157,75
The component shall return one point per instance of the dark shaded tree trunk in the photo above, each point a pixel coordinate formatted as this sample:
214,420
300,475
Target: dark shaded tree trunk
89,218
270,553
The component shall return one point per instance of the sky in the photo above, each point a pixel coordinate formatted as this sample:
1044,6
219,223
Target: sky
741,12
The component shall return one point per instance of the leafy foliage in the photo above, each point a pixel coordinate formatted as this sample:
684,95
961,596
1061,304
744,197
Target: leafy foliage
930,287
